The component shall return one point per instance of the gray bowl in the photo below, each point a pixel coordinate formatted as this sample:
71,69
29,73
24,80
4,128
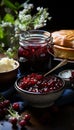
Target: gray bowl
39,100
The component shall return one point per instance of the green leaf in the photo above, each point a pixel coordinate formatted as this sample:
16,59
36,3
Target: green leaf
10,4
18,6
9,54
9,18
1,33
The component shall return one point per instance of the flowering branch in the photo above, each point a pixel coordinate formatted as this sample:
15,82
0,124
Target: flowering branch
19,18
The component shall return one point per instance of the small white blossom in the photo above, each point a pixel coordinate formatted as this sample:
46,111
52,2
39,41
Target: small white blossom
9,49
25,18
3,45
22,27
24,11
49,18
44,24
5,24
14,47
38,26
16,35
27,6
40,9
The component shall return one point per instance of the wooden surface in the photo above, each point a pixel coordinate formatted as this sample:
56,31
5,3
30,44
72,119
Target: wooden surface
57,117
49,119
53,118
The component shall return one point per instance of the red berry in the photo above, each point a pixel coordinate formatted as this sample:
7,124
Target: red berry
22,123
6,103
13,120
37,83
16,106
1,105
27,117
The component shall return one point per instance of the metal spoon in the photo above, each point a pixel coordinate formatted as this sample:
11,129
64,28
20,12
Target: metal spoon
62,63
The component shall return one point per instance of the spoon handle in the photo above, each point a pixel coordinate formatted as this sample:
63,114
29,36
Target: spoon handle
56,67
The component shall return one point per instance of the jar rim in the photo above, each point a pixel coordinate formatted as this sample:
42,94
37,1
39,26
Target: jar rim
29,36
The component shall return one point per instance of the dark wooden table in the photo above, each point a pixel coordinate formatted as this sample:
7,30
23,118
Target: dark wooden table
60,116
53,118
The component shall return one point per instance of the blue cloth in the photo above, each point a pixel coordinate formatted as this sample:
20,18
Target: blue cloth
67,97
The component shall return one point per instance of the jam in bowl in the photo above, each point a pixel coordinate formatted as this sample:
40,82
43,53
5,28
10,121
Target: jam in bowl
40,91
33,49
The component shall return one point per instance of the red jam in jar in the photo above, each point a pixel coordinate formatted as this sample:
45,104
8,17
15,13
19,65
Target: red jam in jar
33,49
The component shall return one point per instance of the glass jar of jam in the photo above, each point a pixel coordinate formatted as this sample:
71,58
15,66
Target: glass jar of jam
33,51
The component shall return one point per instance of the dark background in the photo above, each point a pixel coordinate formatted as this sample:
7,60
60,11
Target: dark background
61,11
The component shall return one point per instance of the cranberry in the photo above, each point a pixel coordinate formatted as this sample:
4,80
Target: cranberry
27,117
1,105
37,83
22,123
8,112
16,106
6,103
22,52
22,84
41,52
13,120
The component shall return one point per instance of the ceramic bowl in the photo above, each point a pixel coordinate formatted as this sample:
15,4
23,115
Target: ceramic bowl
7,78
39,100
68,76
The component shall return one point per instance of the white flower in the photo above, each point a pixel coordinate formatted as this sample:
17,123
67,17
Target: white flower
27,6
22,27
39,8
5,24
24,11
3,45
9,50
38,26
24,18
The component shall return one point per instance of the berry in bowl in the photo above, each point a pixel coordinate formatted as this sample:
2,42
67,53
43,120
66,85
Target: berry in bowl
40,91
68,77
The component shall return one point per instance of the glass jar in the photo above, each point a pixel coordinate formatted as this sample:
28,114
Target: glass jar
33,51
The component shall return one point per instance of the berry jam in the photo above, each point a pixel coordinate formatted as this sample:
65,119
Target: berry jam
33,49
37,83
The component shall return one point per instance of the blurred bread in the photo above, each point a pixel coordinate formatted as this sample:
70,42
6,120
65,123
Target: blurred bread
63,44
